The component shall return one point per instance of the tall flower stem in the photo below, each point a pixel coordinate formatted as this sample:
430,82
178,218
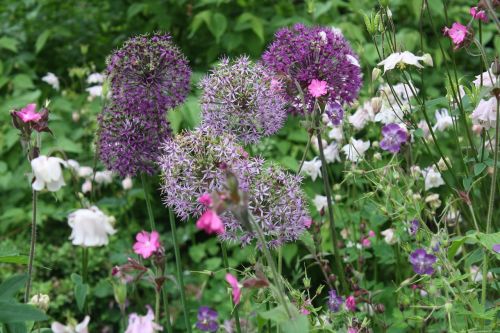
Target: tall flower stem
326,182
178,266
226,266
32,248
85,263
167,312
148,203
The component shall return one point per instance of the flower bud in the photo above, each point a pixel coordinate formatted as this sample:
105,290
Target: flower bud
40,301
427,59
376,73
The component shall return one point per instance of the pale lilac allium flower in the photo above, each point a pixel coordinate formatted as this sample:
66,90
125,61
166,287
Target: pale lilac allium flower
422,262
210,222
394,137
235,286
147,243
207,319
458,33
478,14
496,248
350,303
143,324
317,88
334,301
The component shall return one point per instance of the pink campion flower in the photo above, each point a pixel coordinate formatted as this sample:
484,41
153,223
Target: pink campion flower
478,14
317,88
371,233
233,282
350,303
210,222
366,242
458,34
205,200
147,243
28,113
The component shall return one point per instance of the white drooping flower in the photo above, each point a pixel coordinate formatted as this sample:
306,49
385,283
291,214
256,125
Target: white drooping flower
443,120
332,153
73,165
485,114
390,114
320,202
355,150
94,91
85,171
362,116
432,177
104,177
401,59
312,168
336,134
79,328
52,80
422,124
489,79
40,301
91,227
87,186
48,173
127,183
95,78
389,236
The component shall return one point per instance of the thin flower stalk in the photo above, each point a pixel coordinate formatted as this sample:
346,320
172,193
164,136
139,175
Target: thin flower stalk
32,248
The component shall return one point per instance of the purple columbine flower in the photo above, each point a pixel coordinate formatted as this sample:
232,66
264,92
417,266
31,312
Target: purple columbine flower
394,137
413,228
334,301
207,319
302,54
335,112
422,262
496,248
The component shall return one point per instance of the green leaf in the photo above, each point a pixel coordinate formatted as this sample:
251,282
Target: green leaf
489,240
198,19
41,40
22,82
478,168
81,291
289,252
249,21
277,315
135,9
16,259
8,43
16,328
10,286
17,313
217,25
299,324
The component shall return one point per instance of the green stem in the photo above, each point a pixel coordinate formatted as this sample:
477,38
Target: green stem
85,263
148,203
178,267
32,248
235,306
157,306
167,312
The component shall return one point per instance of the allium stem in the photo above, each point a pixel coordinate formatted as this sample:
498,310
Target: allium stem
148,203
326,182
226,266
178,263
32,249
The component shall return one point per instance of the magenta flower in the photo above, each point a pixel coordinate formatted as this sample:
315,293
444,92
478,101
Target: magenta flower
366,242
394,137
317,88
350,303
210,222
422,262
458,34
27,119
29,114
478,14
205,200
147,243
233,281
352,330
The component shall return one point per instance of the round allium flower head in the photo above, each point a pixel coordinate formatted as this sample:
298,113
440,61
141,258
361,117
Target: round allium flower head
149,68
130,144
239,97
302,54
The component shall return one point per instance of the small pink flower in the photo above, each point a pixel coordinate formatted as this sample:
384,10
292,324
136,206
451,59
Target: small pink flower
350,303
205,200
29,114
371,233
478,14
352,330
308,222
210,222
304,311
317,88
458,34
233,281
147,243
366,242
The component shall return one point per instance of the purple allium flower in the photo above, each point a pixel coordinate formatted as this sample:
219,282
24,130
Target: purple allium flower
207,319
301,54
394,137
413,228
335,113
239,97
496,248
422,262
334,301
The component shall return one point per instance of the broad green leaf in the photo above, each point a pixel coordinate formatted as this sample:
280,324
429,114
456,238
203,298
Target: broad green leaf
81,291
489,240
250,21
299,324
198,19
10,286
8,43
217,25
41,40
135,9
11,312
22,82
16,259
15,328
277,315
478,168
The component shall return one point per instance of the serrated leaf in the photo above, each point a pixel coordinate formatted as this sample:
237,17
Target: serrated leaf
17,313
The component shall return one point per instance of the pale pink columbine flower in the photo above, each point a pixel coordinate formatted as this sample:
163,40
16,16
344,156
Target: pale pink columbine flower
317,88
457,33
147,243
350,303
143,324
233,282
478,14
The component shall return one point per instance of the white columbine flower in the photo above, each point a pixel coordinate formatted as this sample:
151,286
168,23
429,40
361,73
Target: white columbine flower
389,236
48,173
489,79
85,171
362,116
104,177
485,113
336,134
320,202
400,59
332,153
356,149
79,328
73,165
87,186
127,183
94,91
390,114
52,80
443,120
312,168
91,227
95,78
432,177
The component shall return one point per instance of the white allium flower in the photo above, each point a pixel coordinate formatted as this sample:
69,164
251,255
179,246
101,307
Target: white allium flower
389,236
52,80
356,149
332,153
48,173
85,171
79,328
94,91
312,168
320,202
489,79
127,183
443,120
362,116
432,177
401,59
87,186
344,233
91,227
95,78
336,134
485,114
104,177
